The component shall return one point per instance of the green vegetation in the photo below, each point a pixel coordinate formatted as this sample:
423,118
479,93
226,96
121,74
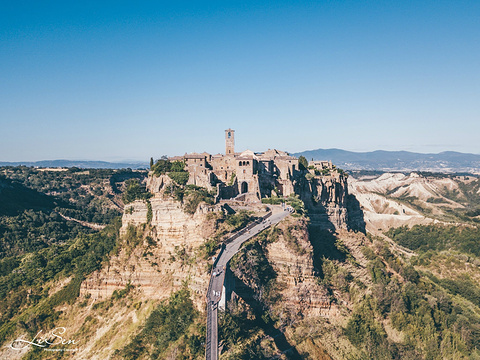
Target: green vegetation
165,166
174,323
180,177
433,322
274,200
243,336
302,163
335,276
365,332
240,219
437,237
245,326
436,318
134,192
233,326
133,237
232,179
293,200
290,235
122,293
39,247
252,266
76,257
297,204
84,194
35,230
33,201
341,172
149,212
194,195
190,195
161,167
15,198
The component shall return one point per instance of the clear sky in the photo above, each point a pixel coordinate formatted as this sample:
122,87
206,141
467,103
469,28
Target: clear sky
118,80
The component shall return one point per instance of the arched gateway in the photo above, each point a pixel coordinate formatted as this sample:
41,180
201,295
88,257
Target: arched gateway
244,187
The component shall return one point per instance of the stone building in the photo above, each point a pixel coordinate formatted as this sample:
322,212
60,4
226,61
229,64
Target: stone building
247,175
320,165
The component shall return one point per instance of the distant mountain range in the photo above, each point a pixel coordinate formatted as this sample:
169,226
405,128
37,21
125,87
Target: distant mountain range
448,161
78,163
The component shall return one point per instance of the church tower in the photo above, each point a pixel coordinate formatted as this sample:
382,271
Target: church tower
229,142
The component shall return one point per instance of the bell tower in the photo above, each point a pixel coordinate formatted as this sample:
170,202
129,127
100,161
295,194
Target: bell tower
229,142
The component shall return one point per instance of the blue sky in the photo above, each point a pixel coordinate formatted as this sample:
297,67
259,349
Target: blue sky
116,80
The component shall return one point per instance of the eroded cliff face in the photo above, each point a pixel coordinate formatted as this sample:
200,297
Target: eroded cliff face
162,242
292,257
328,202
160,248
281,273
157,258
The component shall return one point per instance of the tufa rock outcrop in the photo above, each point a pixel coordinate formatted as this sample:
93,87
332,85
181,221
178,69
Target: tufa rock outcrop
159,251
329,204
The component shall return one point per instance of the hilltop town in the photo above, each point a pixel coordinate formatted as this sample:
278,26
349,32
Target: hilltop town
247,175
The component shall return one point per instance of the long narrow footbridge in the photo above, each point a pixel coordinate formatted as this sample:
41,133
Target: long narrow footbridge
229,248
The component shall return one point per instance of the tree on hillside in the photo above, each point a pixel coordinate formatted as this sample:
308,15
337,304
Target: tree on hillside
161,167
151,163
302,162
134,192
178,166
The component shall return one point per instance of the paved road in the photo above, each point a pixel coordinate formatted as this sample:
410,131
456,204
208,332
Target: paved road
218,276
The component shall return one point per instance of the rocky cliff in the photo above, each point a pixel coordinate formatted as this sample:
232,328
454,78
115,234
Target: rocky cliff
161,247
329,203
299,278
289,252
170,238
162,250
158,257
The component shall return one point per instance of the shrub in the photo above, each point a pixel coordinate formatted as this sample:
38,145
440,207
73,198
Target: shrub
135,192
149,212
161,167
365,332
180,177
195,195
302,163
274,200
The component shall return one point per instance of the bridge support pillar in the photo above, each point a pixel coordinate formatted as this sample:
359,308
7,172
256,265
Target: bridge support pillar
228,288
